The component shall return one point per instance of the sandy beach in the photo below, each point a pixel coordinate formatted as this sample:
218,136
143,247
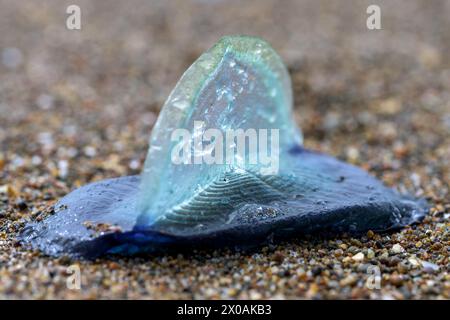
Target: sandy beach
78,106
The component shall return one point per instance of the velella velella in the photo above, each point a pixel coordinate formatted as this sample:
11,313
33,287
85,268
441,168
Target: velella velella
205,184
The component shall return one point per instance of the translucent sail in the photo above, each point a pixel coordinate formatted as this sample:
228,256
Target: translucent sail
240,83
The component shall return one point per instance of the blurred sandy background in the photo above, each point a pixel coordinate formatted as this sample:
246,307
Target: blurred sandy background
132,53
78,106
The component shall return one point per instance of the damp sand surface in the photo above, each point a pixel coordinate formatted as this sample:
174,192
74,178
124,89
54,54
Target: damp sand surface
78,107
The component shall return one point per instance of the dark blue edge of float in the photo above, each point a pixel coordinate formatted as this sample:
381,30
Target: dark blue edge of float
145,241
150,240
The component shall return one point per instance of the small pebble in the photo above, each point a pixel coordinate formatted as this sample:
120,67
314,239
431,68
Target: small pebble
396,249
358,257
429,267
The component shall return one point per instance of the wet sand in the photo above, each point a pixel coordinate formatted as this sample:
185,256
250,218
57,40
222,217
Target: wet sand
78,106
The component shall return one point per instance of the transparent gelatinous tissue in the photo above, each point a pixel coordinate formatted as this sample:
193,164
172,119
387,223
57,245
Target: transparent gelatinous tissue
185,203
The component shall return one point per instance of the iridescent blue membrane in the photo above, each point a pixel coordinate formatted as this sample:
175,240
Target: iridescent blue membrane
239,83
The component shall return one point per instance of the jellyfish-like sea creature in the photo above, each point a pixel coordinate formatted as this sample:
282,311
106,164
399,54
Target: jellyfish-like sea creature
205,191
